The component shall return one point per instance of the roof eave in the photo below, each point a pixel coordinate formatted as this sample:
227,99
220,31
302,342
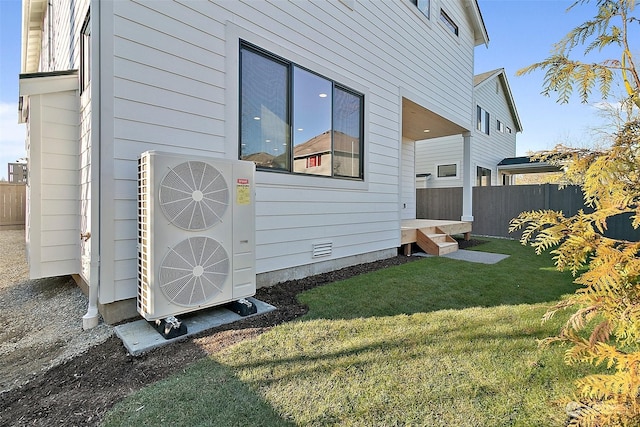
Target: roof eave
33,12
480,30
512,102
501,74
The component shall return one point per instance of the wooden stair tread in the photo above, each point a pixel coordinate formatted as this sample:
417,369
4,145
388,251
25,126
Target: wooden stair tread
434,242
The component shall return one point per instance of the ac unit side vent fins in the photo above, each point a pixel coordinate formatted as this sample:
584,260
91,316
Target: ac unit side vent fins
322,249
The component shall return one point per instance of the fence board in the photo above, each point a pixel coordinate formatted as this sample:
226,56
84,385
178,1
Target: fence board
12,206
494,207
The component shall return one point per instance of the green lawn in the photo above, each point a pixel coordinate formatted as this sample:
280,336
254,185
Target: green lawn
436,342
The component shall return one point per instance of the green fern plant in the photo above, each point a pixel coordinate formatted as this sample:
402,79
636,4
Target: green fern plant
605,328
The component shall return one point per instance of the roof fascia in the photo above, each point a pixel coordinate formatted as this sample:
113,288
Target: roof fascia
501,74
480,30
511,101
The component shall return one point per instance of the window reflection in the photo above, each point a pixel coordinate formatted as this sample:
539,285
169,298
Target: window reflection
312,101
265,133
347,128
297,121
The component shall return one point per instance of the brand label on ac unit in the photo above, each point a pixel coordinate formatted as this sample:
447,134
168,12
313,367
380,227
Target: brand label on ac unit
243,191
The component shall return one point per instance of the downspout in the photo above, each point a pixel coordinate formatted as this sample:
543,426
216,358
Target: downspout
91,318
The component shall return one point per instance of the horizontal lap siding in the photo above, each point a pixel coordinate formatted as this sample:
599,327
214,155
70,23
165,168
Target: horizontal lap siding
489,150
170,94
58,197
58,207
440,151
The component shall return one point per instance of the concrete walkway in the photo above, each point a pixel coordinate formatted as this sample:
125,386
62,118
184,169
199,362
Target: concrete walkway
471,256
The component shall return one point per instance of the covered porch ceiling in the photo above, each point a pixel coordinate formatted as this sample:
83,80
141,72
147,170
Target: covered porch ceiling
419,123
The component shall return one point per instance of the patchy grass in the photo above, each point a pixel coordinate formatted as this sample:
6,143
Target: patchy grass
434,342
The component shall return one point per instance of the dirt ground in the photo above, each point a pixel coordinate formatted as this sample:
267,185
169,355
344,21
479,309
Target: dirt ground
80,391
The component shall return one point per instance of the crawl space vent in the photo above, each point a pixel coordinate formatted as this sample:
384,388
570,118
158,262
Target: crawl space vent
322,249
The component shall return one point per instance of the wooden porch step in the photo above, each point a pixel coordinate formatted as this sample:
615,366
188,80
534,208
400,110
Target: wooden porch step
434,242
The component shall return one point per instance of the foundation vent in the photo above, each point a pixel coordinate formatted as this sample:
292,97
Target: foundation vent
322,249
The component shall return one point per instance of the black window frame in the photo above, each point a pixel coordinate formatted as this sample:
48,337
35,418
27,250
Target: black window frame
482,172
290,112
483,119
85,53
447,175
450,23
426,13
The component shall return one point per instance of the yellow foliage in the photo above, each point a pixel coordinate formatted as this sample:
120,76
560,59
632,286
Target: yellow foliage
607,305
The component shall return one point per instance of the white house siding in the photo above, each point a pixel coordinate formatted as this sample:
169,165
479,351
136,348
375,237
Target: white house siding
60,45
62,24
488,150
52,236
439,151
173,82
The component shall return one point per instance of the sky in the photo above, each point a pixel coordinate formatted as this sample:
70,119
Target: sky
521,32
524,32
11,133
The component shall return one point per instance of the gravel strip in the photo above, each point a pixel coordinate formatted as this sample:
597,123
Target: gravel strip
40,320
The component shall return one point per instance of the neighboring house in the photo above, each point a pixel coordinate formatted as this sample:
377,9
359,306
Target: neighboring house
17,173
269,81
537,171
440,162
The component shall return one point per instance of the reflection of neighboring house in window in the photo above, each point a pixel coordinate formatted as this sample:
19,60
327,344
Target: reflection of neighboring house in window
265,160
314,155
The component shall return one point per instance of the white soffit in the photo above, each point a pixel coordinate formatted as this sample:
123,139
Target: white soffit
33,12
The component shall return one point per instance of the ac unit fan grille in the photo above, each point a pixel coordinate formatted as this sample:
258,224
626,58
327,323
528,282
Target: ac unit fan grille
194,195
194,271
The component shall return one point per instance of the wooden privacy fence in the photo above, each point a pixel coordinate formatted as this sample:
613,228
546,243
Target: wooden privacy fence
12,206
494,207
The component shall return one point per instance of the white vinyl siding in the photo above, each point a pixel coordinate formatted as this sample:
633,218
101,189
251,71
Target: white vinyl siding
169,82
61,46
486,150
52,190
440,151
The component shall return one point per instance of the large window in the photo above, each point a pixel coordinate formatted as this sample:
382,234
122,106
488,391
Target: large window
294,120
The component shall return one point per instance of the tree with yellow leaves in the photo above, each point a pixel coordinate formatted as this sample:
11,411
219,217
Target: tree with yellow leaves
605,327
